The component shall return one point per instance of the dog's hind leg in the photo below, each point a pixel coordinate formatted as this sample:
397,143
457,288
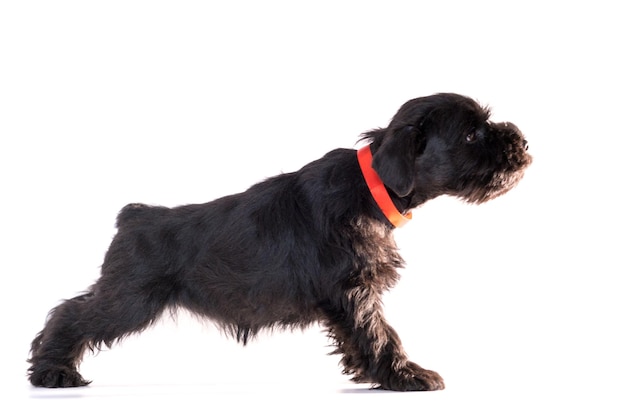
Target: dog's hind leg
101,316
57,349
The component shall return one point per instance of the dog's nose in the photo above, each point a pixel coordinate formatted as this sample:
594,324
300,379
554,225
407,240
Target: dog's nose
525,144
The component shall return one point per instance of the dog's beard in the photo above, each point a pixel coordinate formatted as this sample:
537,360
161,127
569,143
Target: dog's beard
499,185
480,190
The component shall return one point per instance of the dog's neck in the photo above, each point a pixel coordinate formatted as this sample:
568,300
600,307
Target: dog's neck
378,190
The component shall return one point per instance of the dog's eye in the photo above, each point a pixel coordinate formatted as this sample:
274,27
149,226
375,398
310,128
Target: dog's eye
471,137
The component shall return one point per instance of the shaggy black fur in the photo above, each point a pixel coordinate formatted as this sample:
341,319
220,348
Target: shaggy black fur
304,247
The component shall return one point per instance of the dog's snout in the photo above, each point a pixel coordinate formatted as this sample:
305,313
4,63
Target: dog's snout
510,127
511,131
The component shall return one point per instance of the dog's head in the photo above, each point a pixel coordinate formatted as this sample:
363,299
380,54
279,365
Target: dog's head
446,144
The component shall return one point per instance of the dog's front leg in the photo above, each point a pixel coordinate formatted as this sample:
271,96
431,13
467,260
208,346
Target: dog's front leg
371,348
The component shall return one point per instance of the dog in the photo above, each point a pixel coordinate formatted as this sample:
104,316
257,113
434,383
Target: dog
315,245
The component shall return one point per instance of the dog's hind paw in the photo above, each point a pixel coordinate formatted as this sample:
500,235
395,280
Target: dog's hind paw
58,378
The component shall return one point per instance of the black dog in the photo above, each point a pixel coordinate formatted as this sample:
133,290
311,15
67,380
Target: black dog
315,245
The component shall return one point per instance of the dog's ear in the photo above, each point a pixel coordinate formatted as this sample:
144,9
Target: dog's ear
395,159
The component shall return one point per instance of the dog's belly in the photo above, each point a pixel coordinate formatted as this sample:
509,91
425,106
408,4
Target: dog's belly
245,296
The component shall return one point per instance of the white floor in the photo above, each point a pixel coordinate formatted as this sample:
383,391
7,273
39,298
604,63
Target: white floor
286,398
289,374
295,398
518,304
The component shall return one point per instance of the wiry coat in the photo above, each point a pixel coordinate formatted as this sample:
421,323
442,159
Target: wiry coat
304,247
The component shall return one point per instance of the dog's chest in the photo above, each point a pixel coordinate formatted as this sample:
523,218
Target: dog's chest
376,253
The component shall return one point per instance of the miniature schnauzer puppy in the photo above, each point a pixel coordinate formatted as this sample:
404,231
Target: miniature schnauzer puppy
314,245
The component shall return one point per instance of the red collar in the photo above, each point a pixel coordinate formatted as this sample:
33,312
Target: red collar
378,190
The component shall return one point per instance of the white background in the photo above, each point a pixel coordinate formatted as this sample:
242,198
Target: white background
518,303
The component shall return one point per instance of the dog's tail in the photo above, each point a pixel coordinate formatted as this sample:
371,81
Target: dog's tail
136,211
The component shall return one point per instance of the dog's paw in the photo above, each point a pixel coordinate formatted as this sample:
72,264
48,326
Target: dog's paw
413,378
58,378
